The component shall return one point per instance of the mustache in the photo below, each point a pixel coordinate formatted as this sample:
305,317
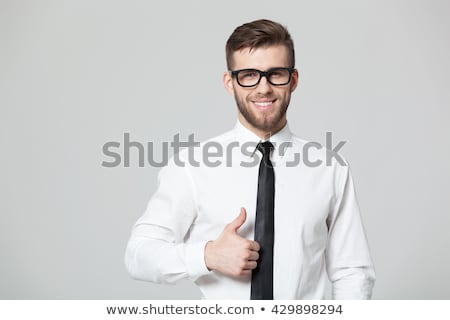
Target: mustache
261,96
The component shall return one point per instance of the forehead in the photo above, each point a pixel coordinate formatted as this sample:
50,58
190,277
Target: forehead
261,58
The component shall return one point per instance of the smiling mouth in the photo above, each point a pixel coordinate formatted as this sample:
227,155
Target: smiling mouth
264,104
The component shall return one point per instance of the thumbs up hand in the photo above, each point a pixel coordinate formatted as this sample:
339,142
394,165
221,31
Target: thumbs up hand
231,254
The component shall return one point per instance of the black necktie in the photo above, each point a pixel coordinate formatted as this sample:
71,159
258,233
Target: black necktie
262,276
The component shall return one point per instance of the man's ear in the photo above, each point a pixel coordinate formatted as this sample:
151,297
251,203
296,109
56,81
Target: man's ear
294,80
228,82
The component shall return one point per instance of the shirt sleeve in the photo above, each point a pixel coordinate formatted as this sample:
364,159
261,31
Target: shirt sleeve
157,250
349,264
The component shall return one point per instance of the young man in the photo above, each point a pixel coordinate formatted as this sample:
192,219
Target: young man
259,224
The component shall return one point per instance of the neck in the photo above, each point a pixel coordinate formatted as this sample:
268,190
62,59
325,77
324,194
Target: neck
263,134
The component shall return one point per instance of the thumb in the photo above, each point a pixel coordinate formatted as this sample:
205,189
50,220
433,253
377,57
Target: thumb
238,221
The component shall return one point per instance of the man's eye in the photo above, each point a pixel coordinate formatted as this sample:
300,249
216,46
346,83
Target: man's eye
276,74
250,74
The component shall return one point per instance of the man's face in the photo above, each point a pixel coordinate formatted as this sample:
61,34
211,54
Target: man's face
262,108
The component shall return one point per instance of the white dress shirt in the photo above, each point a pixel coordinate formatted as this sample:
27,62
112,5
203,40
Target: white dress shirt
318,227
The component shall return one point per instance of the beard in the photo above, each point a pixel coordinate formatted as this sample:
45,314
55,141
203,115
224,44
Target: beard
268,121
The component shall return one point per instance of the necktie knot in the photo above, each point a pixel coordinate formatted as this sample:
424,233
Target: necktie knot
265,148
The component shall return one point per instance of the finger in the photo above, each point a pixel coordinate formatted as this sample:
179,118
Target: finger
254,256
238,222
246,273
253,245
250,265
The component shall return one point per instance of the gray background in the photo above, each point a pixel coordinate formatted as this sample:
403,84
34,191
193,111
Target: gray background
77,74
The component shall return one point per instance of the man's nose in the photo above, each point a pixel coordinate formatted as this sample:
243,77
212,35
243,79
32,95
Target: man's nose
264,86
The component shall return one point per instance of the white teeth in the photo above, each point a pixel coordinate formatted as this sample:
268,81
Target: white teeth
263,104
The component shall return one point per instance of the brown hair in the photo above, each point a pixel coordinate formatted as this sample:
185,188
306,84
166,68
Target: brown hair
257,34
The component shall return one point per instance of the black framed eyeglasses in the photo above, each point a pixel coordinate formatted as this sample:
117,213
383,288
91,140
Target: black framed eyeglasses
252,77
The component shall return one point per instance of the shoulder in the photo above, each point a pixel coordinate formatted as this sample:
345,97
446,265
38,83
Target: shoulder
191,154
325,154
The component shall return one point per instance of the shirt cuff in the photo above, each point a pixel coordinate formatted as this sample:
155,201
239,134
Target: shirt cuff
353,289
195,260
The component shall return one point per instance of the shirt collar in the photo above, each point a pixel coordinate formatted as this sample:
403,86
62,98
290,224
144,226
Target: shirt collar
244,135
